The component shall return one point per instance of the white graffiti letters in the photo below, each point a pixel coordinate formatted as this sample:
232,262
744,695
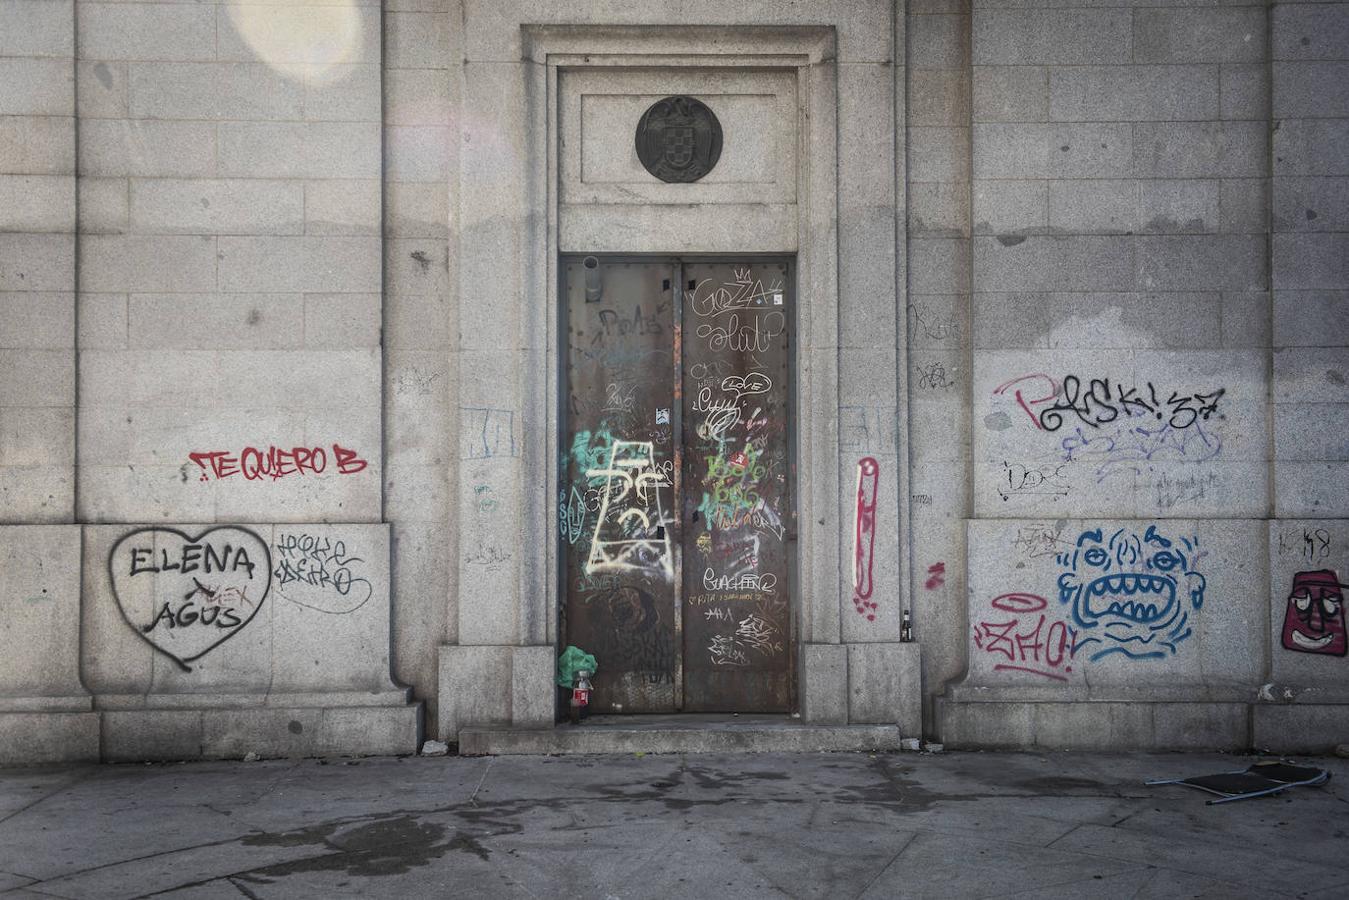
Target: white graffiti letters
748,581
755,334
630,535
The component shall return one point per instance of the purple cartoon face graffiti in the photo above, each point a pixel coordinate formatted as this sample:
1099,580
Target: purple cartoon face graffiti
1131,595
1314,621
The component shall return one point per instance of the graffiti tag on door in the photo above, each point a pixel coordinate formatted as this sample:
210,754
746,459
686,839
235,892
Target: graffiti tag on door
631,534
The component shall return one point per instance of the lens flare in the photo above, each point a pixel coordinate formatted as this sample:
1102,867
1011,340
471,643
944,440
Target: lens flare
301,42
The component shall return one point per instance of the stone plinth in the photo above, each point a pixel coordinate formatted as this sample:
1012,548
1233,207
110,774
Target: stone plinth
45,712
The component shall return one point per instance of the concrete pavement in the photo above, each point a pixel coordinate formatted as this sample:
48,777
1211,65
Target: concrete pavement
701,826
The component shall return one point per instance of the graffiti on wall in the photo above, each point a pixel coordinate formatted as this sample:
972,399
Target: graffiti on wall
185,595
319,573
933,325
748,624
1311,544
1104,429
732,498
1314,619
1169,491
1129,594
256,464
1030,392
933,376
1020,480
868,429
571,512
487,433
1101,402
1130,445
1121,593
1039,539
1026,638
864,536
631,533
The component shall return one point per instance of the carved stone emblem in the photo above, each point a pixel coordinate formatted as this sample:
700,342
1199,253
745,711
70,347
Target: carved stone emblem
679,139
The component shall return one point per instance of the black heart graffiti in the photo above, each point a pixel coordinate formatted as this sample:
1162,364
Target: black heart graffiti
186,595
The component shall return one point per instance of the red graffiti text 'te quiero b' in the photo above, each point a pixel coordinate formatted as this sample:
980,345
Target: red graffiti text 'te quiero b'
274,462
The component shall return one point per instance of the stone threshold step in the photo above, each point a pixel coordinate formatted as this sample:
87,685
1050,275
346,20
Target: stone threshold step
679,734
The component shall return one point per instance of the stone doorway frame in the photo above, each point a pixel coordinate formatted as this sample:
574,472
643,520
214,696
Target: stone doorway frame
809,52
505,642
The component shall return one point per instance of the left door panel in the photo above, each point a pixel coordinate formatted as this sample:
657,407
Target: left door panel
616,507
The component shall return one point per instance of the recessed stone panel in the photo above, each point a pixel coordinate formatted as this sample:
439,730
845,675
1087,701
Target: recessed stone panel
600,109
1154,610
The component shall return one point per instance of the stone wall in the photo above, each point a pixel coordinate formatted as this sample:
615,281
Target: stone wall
937,329
1309,53
37,262
194,191
1125,364
1074,276
420,93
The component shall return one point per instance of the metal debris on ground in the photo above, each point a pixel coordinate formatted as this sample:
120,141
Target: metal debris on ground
1257,780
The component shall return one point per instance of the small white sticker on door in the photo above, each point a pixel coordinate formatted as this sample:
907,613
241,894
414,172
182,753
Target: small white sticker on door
662,417
777,298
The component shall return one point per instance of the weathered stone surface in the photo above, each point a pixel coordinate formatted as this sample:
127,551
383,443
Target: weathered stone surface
298,225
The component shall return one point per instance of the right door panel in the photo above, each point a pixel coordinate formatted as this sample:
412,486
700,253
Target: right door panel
739,525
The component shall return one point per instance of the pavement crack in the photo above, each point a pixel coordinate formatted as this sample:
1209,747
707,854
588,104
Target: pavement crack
83,777
133,859
1147,882
473,797
1042,888
243,890
1121,821
33,889
890,862
1064,835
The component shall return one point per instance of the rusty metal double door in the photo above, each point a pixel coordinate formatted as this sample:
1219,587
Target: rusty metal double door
675,506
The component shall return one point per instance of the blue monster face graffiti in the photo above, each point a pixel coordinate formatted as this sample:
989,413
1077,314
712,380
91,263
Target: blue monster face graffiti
1131,595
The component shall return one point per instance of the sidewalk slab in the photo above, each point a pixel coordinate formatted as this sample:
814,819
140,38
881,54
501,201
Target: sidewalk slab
682,825
680,734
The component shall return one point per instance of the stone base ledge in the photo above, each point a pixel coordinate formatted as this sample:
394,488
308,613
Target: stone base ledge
1217,692
616,738
490,685
394,697
76,703
876,683
299,731
1314,728
1093,725
35,738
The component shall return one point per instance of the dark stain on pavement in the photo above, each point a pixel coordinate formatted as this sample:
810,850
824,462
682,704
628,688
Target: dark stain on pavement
1059,784
390,846
900,793
316,835
713,780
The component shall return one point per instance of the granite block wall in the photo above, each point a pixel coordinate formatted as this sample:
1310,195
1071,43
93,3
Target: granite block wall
228,294
230,273
37,262
420,90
